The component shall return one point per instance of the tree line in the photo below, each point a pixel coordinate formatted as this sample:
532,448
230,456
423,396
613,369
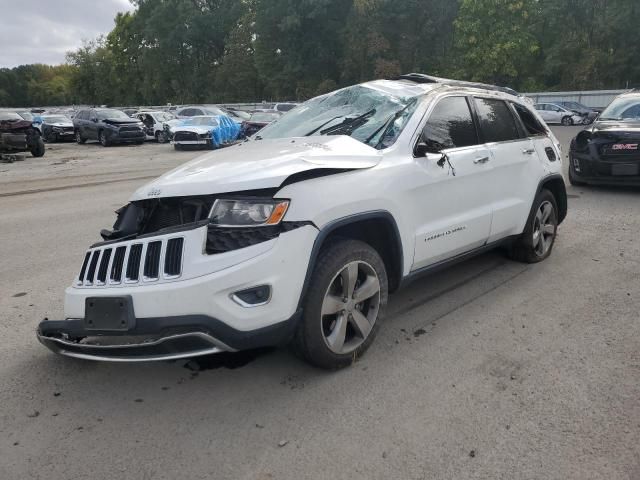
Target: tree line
187,51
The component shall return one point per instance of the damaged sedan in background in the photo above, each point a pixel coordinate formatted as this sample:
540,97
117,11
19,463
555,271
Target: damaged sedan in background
19,135
209,131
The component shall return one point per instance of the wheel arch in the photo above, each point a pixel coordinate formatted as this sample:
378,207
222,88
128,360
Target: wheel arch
376,228
555,184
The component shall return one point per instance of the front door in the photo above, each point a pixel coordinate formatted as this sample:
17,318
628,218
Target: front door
452,200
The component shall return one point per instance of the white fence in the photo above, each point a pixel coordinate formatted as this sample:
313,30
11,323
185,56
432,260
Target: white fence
590,98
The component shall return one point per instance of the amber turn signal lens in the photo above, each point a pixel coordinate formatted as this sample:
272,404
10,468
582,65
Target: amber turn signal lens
278,213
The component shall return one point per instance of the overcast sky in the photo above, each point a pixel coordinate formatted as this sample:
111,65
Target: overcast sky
42,31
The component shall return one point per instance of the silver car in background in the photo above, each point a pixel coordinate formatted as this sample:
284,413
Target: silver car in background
553,113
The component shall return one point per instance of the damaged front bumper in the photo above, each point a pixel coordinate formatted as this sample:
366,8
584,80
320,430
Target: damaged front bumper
155,339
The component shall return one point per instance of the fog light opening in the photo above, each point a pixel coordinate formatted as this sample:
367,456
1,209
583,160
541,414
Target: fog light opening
576,165
252,297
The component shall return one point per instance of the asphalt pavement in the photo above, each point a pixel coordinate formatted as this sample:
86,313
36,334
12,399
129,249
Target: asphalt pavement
489,370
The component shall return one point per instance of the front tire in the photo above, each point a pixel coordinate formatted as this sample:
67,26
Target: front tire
161,137
567,121
79,138
539,235
37,150
344,305
102,138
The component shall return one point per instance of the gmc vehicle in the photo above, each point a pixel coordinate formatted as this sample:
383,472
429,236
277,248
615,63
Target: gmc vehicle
107,126
608,152
298,235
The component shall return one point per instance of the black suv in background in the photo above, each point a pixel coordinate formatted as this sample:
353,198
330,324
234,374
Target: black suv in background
108,126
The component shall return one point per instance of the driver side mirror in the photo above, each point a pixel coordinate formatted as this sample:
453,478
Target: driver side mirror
425,146
94,119
421,149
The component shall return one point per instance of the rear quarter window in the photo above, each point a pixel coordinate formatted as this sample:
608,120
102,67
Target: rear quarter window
531,124
497,123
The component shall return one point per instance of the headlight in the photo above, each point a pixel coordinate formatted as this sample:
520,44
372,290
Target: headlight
247,213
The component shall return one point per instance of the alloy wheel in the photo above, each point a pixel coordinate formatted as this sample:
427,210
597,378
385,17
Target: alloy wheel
544,228
350,307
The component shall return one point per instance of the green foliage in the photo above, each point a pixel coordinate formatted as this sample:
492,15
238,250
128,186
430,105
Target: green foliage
186,51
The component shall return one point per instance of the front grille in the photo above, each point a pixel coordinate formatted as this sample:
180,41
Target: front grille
608,154
130,132
184,136
139,262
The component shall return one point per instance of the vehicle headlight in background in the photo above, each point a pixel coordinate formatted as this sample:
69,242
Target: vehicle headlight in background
248,212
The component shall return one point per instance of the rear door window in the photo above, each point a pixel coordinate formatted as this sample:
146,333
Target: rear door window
497,123
450,125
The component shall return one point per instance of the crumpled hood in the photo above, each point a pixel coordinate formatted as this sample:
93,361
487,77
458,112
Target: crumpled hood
260,164
60,124
192,128
121,121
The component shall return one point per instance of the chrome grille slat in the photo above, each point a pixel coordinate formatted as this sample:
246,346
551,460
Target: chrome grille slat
173,257
151,269
91,271
133,263
105,260
117,265
83,270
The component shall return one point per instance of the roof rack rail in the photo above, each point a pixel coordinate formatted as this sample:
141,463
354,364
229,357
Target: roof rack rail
422,78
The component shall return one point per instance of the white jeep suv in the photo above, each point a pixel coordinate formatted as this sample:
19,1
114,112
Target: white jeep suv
299,234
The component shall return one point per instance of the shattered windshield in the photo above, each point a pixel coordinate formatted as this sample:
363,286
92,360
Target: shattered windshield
164,116
623,109
59,119
370,116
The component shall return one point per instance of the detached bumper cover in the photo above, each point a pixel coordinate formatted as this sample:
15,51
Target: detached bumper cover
155,339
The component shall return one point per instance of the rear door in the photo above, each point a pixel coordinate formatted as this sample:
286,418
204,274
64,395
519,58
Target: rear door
514,162
451,201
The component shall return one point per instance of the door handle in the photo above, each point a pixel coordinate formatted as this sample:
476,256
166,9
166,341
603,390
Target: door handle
481,160
529,151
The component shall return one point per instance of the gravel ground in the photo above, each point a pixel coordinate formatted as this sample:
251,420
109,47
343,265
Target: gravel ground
489,370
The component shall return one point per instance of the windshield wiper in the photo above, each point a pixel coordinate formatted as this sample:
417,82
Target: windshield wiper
385,126
325,123
349,124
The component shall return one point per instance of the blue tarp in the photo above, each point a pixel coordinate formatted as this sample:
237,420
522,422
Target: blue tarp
226,131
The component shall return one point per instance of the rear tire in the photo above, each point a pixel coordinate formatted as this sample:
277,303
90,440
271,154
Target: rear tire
344,305
536,242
